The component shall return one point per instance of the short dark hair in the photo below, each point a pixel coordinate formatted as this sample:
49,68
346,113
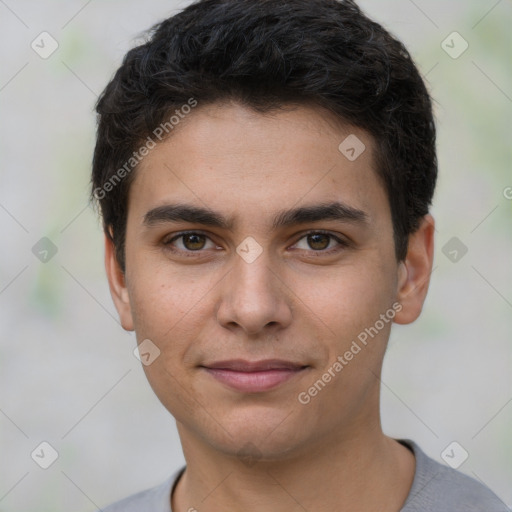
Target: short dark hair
266,54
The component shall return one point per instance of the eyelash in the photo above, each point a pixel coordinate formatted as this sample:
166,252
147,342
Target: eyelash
342,244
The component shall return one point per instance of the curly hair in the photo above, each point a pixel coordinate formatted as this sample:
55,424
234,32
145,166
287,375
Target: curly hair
266,54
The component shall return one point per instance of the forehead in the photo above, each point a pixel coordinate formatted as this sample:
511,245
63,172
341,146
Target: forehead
229,158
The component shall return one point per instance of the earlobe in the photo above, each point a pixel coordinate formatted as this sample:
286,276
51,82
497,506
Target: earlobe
117,285
414,272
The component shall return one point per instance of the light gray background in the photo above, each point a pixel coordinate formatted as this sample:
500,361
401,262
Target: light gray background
67,372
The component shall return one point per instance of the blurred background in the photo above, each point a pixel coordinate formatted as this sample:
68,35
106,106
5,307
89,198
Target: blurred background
68,376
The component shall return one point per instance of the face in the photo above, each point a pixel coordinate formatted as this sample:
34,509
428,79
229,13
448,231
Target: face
260,264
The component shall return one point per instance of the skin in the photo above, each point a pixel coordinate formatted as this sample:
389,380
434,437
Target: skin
296,302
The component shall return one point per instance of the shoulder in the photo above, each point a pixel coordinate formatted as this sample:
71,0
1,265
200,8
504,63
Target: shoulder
156,499
439,488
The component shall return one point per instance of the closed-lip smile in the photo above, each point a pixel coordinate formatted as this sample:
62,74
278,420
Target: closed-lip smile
253,376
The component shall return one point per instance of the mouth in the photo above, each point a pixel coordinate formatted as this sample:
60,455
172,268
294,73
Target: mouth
253,376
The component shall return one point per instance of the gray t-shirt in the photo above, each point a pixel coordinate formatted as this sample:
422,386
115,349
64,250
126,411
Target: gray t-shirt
435,488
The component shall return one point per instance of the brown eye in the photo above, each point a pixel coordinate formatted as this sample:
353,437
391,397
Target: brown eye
193,241
189,242
319,241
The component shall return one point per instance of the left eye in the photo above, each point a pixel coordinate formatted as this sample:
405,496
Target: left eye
191,241
319,241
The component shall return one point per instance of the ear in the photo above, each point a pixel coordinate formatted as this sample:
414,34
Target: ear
414,272
117,285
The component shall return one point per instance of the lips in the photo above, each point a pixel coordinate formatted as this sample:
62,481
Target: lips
240,365
253,376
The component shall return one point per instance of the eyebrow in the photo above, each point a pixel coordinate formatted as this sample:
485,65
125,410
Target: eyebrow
302,215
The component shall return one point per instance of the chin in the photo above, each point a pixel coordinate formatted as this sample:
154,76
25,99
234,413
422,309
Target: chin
260,435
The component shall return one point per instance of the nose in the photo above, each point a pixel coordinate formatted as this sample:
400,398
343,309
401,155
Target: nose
254,298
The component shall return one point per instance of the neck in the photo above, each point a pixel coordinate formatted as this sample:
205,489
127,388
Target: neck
364,471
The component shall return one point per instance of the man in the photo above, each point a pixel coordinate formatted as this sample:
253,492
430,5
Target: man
264,171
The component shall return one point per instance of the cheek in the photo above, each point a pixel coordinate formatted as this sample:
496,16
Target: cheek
172,309
349,305
349,299
168,311
163,299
